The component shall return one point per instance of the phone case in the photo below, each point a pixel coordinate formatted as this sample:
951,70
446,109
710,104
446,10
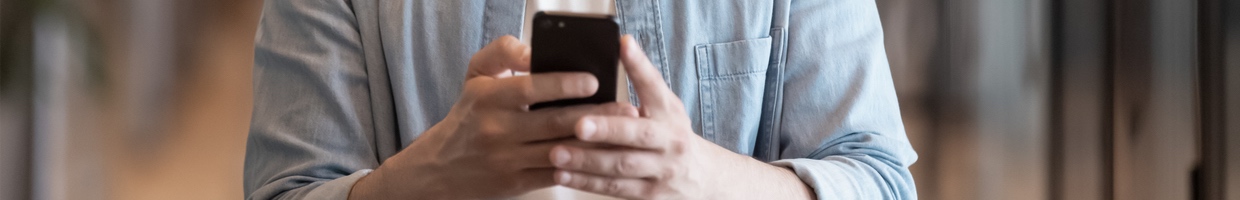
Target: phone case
570,42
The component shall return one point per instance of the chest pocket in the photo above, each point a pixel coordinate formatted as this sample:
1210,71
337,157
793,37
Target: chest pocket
732,76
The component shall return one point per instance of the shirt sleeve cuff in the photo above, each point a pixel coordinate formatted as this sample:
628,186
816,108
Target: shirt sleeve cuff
337,189
818,175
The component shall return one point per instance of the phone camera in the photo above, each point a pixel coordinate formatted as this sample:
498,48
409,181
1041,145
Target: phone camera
545,23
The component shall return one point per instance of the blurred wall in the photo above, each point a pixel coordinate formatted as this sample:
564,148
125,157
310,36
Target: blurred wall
972,78
135,99
1053,99
197,141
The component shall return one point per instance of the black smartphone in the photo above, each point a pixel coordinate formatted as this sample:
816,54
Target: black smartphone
574,42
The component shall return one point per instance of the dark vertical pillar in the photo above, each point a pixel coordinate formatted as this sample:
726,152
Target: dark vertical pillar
1230,66
15,98
1129,69
1208,177
1080,105
1155,115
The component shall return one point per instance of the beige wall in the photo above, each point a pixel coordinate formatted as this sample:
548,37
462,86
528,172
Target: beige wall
201,156
143,99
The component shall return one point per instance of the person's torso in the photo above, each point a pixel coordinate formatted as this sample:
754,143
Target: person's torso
714,56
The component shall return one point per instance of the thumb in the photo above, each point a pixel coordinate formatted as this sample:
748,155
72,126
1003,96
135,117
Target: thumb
499,58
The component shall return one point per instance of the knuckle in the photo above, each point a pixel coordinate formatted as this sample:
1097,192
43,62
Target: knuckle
476,60
625,165
669,172
506,40
491,129
574,159
678,146
645,137
567,85
482,90
501,43
473,87
587,162
612,187
528,91
580,182
558,121
588,183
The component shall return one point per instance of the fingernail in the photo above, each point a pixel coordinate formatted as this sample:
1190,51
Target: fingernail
589,85
580,84
559,156
562,177
587,129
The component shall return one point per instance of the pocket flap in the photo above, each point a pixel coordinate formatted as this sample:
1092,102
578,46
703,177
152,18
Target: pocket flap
733,58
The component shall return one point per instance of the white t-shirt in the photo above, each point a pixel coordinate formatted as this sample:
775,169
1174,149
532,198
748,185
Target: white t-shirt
578,6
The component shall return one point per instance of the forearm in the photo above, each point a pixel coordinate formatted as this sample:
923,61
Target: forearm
753,179
402,178
378,185
399,182
374,186
364,190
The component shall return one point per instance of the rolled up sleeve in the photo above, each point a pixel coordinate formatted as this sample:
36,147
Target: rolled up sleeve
310,135
841,130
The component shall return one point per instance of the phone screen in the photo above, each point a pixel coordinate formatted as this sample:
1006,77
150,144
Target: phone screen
566,42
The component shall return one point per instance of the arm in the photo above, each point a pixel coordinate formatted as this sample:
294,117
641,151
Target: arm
848,142
311,132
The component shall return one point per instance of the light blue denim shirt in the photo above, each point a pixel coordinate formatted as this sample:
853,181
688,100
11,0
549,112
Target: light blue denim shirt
339,86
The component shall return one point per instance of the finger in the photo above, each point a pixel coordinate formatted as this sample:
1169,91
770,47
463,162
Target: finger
556,123
627,188
542,87
531,179
647,81
497,58
623,131
533,155
627,163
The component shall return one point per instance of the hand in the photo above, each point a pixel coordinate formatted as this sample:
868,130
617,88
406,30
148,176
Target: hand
658,156
490,145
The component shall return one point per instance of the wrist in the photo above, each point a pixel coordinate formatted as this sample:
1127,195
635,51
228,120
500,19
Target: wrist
398,179
737,178
796,188
370,187
760,180
787,181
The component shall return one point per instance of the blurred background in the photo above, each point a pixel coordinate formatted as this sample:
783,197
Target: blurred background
1002,99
